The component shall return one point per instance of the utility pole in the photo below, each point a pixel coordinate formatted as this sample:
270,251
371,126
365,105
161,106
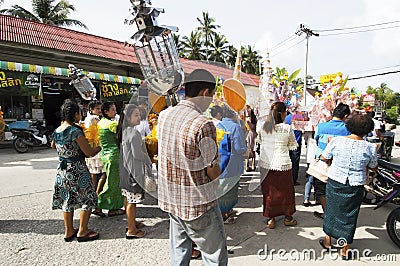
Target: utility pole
304,29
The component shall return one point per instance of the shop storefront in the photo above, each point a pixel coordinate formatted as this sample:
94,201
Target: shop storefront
37,92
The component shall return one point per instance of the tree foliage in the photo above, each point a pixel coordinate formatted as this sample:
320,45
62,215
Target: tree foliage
47,12
205,43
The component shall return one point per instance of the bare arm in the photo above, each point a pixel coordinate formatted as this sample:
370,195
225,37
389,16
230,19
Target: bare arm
86,148
53,144
213,172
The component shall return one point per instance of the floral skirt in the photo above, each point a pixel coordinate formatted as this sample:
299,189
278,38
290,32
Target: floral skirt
74,189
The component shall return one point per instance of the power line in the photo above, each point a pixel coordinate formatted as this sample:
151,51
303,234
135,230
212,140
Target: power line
351,32
272,55
293,36
358,27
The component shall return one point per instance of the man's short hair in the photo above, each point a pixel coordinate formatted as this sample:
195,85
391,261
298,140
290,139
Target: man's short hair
215,110
341,111
198,80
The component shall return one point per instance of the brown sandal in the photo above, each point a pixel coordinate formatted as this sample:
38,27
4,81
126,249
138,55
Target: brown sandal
271,223
291,222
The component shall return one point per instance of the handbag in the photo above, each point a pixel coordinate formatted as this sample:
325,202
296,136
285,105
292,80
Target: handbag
318,169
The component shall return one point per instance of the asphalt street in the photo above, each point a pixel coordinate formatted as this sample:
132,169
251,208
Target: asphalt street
32,234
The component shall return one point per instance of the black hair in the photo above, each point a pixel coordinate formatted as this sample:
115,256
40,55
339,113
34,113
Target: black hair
69,110
192,89
129,108
371,114
360,124
341,111
106,107
228,112
93,105
216,109
274,117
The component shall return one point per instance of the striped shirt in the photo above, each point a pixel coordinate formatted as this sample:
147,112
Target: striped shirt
186,146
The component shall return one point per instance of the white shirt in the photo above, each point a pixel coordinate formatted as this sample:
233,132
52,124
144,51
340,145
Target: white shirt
143,128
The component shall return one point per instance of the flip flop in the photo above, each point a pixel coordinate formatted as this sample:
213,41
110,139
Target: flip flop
138,234
116,212
322,243
90,236
231,212
70,238
99,213
230,220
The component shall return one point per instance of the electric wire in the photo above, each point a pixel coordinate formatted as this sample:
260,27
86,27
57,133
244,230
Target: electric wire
293,36
273,55
358,27
351,32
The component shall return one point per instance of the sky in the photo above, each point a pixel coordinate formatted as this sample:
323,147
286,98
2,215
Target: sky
264,24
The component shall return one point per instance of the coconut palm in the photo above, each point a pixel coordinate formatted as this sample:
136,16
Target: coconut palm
231,56
207,29
250,60
193,46
47,12
178,43
219,48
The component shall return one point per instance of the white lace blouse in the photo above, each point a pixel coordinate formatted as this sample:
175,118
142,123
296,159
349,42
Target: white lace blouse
274,149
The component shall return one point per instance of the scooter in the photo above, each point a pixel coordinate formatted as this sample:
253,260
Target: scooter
387,180
34,136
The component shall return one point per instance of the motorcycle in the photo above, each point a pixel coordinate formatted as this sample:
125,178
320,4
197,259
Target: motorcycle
34,136
385,187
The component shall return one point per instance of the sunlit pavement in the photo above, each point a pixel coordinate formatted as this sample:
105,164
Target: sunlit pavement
31,233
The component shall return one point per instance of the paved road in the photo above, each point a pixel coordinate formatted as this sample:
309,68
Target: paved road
31,233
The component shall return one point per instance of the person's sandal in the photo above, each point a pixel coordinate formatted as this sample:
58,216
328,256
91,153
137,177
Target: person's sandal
99,213
230,220
271,223
138,234
90,236
291,222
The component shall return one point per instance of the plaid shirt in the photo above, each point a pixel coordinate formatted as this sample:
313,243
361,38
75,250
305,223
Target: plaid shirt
186,146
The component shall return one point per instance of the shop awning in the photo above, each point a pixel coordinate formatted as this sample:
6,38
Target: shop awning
14,66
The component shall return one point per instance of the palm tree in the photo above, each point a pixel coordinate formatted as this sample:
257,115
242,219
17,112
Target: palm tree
207,29
178,43
193,46
250,60
219,48
47,12
231,56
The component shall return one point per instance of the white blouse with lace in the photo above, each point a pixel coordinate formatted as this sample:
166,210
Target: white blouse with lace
274,149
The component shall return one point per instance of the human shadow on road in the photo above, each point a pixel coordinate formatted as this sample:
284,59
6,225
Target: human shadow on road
250,233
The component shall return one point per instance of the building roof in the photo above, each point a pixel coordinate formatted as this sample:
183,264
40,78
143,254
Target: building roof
22,31
30,32
216,70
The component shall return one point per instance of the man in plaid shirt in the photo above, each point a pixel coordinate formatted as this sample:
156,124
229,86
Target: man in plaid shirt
188,174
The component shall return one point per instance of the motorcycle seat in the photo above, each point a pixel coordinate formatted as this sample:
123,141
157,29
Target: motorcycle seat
390,166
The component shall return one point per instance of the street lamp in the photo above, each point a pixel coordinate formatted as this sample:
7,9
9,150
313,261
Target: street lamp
155,50
82,83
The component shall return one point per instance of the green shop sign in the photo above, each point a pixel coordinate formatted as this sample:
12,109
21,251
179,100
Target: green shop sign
115,91
16,83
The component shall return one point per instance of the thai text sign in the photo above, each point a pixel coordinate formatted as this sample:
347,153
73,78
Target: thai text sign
6,81
113,89
327,78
